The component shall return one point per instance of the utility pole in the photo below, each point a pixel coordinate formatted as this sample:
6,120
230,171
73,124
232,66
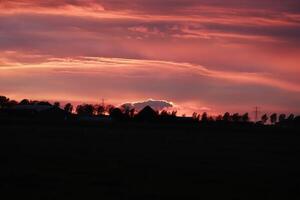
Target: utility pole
256,112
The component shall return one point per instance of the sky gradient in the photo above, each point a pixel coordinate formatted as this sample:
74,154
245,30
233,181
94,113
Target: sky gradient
201,55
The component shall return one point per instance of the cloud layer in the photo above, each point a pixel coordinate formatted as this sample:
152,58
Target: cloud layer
197,53
117,80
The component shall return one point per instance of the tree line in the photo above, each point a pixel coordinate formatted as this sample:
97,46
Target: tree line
126,113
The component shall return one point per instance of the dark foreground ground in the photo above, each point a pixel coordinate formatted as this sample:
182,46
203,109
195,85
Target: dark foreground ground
120,161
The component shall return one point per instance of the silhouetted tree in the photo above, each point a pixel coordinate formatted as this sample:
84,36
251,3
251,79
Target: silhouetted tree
164,113
273,118
35,102
11,103
204,117
132,113
6,102
100,109
3,101
264,118
24,102
126,109
85,109
219,118
109,108
196,116
56,104
43,103
68,108
281,118
291,117
226,117
245,117
211,119
297,120
174,113
236,117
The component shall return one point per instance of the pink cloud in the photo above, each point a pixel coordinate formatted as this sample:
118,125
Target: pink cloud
126,80
249,49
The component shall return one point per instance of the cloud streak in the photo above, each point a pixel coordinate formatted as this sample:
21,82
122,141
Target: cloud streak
122,80
148,68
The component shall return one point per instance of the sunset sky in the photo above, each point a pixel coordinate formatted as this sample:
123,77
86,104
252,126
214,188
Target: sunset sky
201,55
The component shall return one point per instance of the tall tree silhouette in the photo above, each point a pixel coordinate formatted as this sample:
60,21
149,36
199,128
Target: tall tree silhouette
3,101
291,117
68,108
196,116
204,117
132,113
281,118
109,108
219,118
56,104
273,118
236,117
226,117
126,109
245,117
24,102
264,118
85,109
174,113
100,109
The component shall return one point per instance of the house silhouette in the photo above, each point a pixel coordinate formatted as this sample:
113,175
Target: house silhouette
147,114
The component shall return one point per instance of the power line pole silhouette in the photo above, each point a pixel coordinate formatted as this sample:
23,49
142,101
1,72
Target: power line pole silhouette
256,113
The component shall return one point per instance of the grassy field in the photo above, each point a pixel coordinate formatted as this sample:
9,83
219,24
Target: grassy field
126,161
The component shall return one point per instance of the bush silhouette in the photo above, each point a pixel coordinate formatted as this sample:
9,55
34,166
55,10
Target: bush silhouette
281,118
273,118
245,117
3,101
264,118
85,109
68,108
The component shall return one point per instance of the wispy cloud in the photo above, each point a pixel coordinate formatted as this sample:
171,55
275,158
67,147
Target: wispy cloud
131,79
148,68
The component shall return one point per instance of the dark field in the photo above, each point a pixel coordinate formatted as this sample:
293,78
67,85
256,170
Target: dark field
127,161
